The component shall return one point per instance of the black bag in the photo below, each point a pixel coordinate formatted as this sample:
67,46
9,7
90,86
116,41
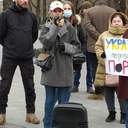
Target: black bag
70,115
79,58
45,64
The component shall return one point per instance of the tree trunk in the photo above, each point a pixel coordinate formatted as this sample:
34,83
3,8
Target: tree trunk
126,10
44,11
6,4
38,11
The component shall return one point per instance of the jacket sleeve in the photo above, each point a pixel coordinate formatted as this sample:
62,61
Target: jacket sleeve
82,35
89,27
73,46
34,28
48,35
3,27
99,48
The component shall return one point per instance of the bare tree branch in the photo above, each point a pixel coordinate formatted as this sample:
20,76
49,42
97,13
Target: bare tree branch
6,4
32,3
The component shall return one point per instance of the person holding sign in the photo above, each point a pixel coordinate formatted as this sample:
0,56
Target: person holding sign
60,40
117,26
123,87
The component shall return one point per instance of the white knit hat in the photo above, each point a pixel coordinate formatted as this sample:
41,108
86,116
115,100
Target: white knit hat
56,4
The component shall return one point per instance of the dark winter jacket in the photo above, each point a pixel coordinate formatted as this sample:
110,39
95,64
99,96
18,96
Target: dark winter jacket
82,36
18,32
61,74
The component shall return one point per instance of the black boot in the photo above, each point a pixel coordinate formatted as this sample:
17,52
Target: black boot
122,118
111,117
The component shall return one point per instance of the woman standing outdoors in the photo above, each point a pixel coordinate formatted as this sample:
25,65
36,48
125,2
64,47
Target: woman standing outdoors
60,40
117,26
75,20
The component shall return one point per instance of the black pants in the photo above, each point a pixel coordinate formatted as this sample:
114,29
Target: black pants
8,68
110,99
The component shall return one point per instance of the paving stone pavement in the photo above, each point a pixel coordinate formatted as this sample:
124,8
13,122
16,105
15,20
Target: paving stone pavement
15,116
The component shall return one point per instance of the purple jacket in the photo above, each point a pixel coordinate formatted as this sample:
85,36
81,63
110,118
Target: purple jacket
123,81
122,90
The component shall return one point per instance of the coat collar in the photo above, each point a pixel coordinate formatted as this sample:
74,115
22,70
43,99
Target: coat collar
17,8
62,30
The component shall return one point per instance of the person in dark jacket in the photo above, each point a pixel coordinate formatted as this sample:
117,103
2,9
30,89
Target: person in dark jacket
18,32
89,78
60,40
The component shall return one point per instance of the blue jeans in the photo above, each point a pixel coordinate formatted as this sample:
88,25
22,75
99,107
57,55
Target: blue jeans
54,94
126,123
77,74
89,75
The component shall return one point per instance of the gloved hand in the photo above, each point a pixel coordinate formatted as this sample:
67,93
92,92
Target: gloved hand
57,20
103,55
61,46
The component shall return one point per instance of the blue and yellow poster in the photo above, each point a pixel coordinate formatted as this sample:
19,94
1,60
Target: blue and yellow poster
116,50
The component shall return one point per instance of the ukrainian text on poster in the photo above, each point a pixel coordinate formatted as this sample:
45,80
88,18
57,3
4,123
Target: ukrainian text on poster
116,50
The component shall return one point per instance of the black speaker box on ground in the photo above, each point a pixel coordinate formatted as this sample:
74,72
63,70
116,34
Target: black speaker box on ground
70,115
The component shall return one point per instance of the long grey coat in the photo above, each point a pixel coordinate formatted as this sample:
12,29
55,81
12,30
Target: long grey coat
61,74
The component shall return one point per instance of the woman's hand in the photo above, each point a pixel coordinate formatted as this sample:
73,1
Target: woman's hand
59,21
103,55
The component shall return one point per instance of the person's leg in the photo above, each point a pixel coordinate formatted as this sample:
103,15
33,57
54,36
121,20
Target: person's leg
94,62
99,90
63,94
50,101
77,75
89,78
123,111
99,93
7,71
27,72
126,121
109,93
122,104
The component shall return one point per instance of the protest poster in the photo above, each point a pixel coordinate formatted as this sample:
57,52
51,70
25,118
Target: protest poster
116,50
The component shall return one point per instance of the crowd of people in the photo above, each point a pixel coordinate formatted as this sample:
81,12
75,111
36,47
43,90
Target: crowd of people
64,34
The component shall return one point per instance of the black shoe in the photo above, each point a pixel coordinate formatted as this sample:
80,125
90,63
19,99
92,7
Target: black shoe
122,118
111,117
74,89
90,91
